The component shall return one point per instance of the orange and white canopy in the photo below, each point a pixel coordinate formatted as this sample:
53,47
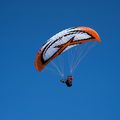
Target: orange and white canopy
63,41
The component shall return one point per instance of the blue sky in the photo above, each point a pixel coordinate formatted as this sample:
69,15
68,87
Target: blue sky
29,95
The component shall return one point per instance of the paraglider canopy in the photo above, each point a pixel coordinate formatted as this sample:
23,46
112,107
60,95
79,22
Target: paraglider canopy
63,41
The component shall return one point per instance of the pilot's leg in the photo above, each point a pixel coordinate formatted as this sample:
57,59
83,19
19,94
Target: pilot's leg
62,81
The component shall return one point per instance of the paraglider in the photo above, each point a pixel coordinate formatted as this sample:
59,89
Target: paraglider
68,81
62,42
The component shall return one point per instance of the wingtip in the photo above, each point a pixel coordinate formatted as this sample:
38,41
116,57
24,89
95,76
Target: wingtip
92,32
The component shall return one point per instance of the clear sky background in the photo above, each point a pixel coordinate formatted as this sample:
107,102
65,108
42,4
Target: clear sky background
26,94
